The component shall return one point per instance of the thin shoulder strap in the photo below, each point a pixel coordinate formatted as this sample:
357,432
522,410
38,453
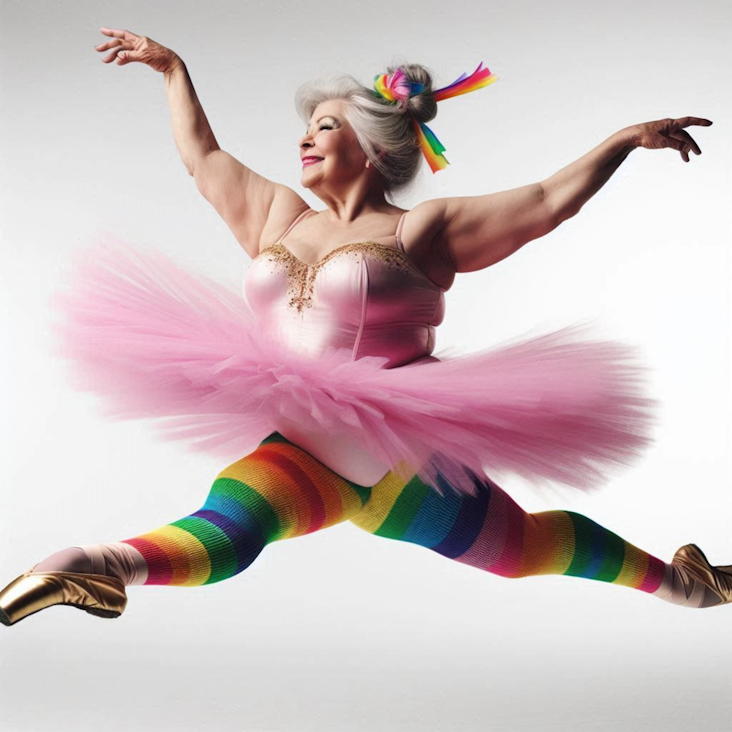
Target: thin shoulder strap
399,241
296,222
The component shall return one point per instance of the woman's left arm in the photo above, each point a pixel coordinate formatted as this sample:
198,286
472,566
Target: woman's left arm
570,188
474,232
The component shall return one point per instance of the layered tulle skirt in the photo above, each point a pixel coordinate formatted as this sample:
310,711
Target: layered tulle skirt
155,341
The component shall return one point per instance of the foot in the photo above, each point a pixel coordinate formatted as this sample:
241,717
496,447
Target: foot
115,559
696,583
33,591
73,559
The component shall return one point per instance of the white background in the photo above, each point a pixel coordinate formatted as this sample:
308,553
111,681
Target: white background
342,630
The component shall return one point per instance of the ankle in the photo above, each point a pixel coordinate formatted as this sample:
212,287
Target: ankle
118,559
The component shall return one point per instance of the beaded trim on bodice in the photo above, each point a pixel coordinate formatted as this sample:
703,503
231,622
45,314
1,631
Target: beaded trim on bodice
301,275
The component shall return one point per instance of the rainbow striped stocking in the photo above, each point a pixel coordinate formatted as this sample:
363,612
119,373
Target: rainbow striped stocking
492,532
277,492
280,491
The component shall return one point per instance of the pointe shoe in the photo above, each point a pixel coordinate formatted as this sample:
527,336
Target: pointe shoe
694,565
97,594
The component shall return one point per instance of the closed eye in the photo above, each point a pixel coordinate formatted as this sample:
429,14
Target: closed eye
322,127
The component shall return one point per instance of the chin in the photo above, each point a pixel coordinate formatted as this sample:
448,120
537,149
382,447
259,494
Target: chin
308,180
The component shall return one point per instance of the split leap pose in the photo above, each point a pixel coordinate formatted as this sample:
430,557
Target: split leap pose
322,375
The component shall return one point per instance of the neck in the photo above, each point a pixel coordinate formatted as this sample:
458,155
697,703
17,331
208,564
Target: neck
362,197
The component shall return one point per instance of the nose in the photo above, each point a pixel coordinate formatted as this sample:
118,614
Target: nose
306,141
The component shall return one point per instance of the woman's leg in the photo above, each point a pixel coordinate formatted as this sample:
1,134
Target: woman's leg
492,532
277,492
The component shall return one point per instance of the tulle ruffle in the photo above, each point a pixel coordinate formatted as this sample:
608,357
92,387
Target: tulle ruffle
154,341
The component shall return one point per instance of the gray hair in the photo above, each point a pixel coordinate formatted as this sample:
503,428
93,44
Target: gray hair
379,125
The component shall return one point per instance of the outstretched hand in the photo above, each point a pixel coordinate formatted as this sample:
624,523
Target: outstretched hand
128,47
669,133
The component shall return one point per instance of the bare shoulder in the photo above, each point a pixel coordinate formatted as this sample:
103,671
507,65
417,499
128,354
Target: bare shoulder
286,206
422,242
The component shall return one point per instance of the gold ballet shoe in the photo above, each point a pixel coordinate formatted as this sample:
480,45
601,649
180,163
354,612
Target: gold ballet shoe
98,594
691,560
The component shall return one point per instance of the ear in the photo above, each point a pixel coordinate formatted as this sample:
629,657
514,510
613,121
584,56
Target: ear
381,154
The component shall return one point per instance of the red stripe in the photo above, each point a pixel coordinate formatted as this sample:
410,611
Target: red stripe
302,482
509,562
654,575
159,568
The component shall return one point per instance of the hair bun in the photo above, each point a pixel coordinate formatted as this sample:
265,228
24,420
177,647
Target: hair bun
421,105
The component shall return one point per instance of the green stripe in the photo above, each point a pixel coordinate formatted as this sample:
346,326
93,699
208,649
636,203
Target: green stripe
612,562
404,510
363,491
254,502
582,545
274,437
217,544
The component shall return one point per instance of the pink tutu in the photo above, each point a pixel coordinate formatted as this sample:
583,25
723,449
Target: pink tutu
155,341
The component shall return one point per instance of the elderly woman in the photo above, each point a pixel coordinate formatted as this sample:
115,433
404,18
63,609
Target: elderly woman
328,366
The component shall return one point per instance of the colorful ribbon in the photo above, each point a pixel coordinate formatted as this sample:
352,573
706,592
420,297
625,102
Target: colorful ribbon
397,88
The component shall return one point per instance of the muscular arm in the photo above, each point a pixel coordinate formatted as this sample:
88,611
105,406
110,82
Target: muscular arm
571,187
243,198
193,135
474,232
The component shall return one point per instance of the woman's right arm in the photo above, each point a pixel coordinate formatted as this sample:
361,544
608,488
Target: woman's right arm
243,198
192,133
240,196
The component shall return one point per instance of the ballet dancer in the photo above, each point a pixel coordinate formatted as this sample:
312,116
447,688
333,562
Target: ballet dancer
323,374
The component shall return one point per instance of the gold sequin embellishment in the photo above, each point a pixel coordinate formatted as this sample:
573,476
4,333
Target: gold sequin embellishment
301,275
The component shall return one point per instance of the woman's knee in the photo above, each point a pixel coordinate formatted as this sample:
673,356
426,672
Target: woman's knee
290,489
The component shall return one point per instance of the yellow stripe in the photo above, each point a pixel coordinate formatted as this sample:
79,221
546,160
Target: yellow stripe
178,545
383,497
274,485
635,566
548,543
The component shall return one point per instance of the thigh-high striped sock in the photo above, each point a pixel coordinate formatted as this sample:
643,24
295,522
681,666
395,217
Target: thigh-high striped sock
492,532
277,492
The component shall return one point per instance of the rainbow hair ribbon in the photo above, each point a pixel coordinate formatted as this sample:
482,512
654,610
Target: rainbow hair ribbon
397,88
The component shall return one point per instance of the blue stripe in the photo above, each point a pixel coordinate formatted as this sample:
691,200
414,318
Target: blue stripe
468,524
434,518
247,545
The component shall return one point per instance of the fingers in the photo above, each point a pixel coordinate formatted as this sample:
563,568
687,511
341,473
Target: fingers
679,139
685,137
122,46
116,45
120,52
108,44
118,33
686,121
677,144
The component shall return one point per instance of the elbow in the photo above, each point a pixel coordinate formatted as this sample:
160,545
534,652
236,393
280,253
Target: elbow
190,167
197,161
552,215
553,220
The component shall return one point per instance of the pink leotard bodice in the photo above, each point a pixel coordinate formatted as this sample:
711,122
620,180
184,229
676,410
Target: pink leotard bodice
366,297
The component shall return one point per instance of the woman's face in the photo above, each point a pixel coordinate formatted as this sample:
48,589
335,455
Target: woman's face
330,138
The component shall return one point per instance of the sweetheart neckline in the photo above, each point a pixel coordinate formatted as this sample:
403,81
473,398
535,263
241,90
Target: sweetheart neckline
330,254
